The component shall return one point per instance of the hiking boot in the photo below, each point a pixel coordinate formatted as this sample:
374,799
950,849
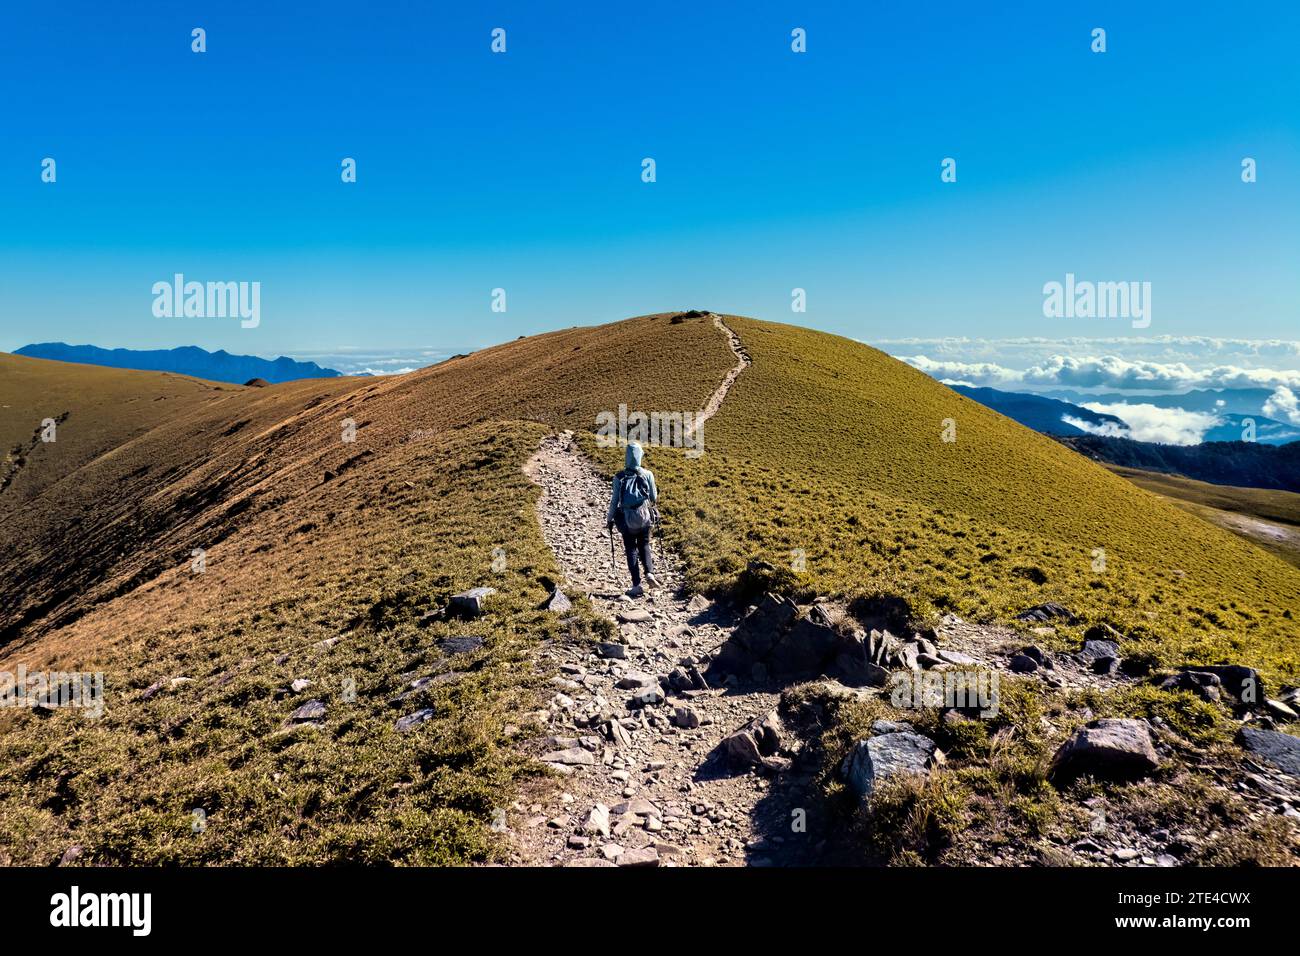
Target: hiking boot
652,581
636,591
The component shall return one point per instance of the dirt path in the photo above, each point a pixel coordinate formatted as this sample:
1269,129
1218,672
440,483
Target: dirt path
742,362
670,797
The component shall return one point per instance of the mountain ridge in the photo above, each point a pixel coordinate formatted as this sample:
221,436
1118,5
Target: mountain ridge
218,366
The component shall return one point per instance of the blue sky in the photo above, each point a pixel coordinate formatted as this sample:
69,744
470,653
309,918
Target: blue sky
522,171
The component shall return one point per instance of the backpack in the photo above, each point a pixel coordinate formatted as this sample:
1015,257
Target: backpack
634,500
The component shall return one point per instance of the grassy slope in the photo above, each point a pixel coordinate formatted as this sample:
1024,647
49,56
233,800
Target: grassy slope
417,505
832,447
1263,516
824,445
120,405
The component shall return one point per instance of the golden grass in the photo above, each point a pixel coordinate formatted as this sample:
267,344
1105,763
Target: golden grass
831,448
824,445
308,538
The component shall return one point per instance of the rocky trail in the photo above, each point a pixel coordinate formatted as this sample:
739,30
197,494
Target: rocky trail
636,726
649,782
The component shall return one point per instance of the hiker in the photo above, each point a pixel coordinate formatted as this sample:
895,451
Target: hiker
632,511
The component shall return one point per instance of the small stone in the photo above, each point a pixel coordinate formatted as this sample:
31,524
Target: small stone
411,721
470,603
1023,664
71,855
572,756
647,698
558,603
646,856
312,710
686,717
957,658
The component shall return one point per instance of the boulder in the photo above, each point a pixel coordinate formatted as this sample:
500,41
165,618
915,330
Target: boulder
558,603
469,603
1103,632
647,697
1279,749
645,856
465,644
1109,749
1023,664
637,806
884,756
1036,654
957,658
1047,612
1203,685
686,717
1280,711
1096,650
570,757
597,822
757,743
773,641
806,649
1242,683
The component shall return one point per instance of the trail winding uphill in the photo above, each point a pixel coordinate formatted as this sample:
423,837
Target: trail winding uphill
656,789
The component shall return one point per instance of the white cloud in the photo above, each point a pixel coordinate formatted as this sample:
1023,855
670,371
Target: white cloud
1284,405
971,373
1168,426
1106,371
1109,429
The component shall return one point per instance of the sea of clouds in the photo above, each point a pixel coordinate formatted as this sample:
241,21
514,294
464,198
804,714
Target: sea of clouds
1136,367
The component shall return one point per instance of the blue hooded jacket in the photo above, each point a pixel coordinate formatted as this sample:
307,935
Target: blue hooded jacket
632,460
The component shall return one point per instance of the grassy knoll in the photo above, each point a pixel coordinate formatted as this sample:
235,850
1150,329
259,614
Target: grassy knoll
833,449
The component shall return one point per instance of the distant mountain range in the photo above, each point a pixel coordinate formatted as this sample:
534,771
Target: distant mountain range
1245,464
1272,461
219,366
1049,414
1038,412
1239,401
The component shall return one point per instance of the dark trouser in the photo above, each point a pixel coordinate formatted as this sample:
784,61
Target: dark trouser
637,543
